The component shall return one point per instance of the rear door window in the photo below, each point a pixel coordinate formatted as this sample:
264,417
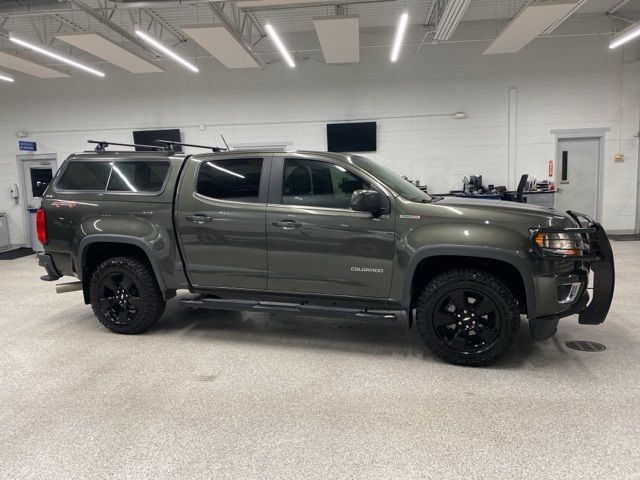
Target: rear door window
236,179
85,176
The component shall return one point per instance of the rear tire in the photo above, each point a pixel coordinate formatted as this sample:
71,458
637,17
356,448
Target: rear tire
125,295
467,317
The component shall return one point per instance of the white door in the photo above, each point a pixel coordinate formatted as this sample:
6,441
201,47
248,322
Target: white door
577,176
37,172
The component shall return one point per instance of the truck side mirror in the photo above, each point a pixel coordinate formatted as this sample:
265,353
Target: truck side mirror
369,201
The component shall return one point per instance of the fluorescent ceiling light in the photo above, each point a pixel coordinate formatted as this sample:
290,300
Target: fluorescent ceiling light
217,40
278,43
402,26
103,48
531,21
6,78
50,53
625,36
450,19
561,20
339,38
167,51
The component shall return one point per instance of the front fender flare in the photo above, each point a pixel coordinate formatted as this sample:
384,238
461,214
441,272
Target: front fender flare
512,258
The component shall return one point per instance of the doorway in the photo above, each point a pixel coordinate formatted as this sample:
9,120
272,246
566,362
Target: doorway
36,171
579,175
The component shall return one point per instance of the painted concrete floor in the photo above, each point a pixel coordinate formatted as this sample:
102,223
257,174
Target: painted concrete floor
230,395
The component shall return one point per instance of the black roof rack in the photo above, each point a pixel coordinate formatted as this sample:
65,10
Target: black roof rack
101,145
168,145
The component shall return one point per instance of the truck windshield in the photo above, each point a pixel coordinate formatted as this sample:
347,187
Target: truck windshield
394,181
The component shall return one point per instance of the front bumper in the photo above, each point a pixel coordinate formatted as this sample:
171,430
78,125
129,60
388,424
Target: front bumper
45,260
599,259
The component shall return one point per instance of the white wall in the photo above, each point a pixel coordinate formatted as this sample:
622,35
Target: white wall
560,83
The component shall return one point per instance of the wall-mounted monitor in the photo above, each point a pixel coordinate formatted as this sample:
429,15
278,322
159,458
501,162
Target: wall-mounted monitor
149,137
352,137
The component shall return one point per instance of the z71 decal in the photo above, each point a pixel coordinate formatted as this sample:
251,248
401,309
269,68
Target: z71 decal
63,203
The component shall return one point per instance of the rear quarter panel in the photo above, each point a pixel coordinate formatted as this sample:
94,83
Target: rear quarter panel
75,220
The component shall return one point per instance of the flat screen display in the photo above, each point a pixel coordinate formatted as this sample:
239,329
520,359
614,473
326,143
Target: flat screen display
149,137
352,137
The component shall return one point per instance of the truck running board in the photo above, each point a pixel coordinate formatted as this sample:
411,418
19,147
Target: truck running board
199,301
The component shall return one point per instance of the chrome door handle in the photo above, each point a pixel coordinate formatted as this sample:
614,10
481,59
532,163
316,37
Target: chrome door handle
287,224
198,218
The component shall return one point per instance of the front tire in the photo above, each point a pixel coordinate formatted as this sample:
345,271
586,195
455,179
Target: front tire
125,295
467,317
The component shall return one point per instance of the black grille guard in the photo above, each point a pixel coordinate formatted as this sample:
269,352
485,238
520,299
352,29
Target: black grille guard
597,255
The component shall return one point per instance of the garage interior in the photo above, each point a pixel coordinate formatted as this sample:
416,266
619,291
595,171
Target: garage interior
500,100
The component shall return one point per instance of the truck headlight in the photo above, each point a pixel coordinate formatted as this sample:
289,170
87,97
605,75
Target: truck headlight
560,243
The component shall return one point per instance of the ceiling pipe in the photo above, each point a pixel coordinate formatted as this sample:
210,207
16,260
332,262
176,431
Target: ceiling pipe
617,6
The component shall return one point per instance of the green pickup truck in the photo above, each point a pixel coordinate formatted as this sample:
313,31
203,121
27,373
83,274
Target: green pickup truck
316,233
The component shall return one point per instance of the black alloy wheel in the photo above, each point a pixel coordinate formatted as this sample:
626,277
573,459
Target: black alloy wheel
119,298
467,316
125,295
466,320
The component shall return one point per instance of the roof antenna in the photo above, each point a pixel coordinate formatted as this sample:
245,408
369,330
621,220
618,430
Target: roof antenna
225,143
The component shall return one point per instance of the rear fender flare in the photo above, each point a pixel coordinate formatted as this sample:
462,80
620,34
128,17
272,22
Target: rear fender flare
123,239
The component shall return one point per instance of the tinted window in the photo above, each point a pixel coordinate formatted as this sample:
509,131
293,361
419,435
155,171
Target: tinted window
138,176
235,179
391,179
85,176
319,184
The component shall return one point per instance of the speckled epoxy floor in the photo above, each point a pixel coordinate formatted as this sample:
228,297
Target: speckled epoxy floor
230,395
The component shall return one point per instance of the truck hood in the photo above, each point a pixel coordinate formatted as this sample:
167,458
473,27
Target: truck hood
531,214
497,205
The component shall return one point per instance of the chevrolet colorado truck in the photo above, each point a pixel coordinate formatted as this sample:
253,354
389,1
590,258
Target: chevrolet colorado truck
319,234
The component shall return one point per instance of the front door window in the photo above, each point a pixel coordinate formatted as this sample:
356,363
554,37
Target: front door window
315,183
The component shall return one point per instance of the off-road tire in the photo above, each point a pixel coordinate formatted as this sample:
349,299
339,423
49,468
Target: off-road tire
151,305
504,301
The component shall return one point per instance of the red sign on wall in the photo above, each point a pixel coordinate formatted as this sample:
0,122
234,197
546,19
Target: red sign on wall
550,168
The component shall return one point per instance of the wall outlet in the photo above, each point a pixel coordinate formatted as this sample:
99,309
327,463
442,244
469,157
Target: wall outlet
619,157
